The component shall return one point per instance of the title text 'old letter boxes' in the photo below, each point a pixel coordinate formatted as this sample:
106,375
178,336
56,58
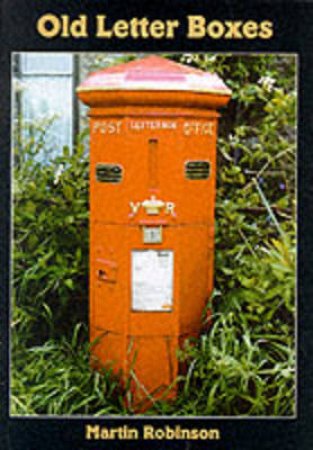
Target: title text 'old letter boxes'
153,126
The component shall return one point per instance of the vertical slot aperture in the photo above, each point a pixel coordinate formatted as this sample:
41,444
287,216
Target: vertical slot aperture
153,163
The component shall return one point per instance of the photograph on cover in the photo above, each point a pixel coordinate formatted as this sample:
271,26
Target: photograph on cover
154,234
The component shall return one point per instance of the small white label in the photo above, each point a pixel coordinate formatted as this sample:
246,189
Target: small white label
152,235
152,280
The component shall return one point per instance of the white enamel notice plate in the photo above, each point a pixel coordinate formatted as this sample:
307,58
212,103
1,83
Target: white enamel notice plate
152,280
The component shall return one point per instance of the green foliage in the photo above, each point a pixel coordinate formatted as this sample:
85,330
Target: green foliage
50,239
244,364
56,378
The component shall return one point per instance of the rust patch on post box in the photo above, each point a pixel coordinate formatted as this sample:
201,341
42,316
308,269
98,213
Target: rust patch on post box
106,270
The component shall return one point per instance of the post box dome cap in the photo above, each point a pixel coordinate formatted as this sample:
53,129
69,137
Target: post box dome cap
154,73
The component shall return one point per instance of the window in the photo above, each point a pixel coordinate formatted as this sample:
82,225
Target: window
45,94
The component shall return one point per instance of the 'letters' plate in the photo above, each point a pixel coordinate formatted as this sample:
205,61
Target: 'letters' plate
152,235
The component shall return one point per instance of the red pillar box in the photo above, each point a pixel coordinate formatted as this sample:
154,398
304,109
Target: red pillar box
153,127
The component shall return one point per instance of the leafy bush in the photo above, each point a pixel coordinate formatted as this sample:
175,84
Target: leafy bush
50,239
55,378
245,363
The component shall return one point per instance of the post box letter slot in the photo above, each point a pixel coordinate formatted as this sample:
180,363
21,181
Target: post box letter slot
109,173
197,170
152,280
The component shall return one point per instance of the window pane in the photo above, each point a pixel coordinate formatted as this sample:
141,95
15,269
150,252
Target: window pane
39,63
44,98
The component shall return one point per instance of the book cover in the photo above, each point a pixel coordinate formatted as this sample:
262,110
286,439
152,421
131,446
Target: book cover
155,224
